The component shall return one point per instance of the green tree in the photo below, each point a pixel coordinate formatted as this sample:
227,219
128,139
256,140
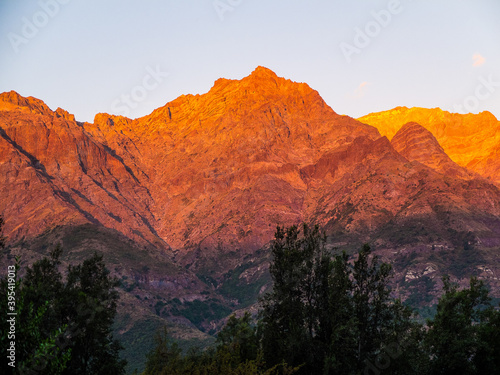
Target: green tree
289,311
239,337
165,357
35,345
64,327
88,303
464,335
325,314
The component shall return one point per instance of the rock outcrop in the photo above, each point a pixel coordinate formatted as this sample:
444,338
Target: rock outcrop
472,141
54,173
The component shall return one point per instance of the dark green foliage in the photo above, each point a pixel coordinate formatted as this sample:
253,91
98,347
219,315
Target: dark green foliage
329,315
324,313
227,358
245,291
464,336
64,327
289,315
165,356
239,336
90,300
36,345
420,289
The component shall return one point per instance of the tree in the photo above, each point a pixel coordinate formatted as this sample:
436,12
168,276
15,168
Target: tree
289,312
88,303
35,344
64,327
323,313
379,319
239,337
165,356
463,336
227,358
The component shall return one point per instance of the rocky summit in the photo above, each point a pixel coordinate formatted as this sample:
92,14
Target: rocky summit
183,202
472,141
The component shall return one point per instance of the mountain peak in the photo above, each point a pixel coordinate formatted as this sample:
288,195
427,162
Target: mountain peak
11,100
263,72
416,143
413,136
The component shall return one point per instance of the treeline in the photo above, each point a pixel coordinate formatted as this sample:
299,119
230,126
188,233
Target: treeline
327,315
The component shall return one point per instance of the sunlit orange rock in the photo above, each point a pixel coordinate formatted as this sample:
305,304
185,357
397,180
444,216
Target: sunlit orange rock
472,141
224,167
53,173
416,143
213,174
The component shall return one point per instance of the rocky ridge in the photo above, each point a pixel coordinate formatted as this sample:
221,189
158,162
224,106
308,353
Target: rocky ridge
472,141
208,177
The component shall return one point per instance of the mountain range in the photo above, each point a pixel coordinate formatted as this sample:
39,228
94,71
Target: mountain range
183,202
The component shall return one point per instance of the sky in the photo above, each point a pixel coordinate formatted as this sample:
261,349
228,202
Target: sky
127,57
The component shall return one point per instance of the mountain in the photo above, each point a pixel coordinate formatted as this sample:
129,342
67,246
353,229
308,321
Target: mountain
472,141
54,173
416,143
184,202
224,167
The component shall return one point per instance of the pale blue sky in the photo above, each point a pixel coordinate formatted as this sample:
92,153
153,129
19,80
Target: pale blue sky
91,56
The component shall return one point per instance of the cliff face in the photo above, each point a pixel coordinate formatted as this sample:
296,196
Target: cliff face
472,141
54,173
416,143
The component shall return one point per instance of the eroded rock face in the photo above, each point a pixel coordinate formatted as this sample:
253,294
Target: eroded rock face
472,141
55,173
225,167
416,143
